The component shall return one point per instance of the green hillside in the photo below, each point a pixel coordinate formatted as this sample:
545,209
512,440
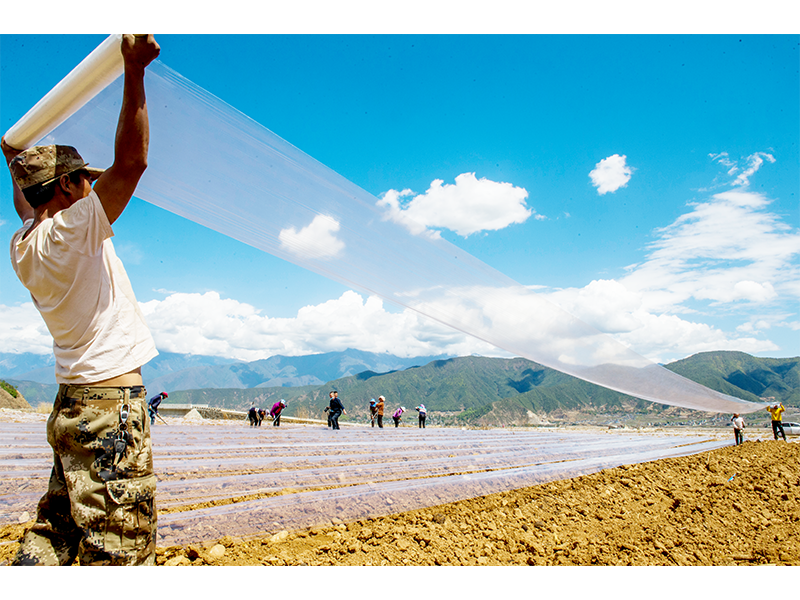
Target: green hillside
745,376
492,391
36,393
477,390
242,399
10,397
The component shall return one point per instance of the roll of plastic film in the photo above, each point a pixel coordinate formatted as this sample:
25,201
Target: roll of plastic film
83,83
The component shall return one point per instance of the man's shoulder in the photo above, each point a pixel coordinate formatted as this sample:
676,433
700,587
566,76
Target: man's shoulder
19,233
88,204
87,210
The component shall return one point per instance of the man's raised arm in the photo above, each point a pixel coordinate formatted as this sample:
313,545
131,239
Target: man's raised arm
24,210
116,186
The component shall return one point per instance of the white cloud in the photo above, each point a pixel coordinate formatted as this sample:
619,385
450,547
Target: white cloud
724,159
754,162
524,323
610,174
753,291
606,305
727,255
742,175
468,206
209,324
666,337
23,330
611,308
754,327
726,249
316,240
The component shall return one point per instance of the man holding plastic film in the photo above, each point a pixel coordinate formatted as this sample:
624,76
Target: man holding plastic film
776,413
100,503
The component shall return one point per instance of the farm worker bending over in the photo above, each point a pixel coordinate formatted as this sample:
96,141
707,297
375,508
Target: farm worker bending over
379,410
373,411
422,414
398,414
275,413
99,504
153,404
776,410
336,410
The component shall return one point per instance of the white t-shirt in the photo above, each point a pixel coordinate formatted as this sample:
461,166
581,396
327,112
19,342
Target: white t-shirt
83,293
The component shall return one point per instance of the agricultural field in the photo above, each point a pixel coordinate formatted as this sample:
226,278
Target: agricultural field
230,494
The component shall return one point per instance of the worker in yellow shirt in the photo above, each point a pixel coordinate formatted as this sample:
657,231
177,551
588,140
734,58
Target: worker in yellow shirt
777,410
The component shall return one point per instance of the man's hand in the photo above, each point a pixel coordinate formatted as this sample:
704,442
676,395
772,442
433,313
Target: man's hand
8,151
139,50
116,186
24,210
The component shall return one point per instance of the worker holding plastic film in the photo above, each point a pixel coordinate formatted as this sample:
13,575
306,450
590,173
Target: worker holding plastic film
776,412
99,506
397,415
276,411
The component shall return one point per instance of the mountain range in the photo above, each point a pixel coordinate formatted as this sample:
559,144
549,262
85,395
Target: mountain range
472,389
173,372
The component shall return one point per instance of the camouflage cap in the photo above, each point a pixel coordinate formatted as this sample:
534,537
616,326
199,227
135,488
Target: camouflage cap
43,164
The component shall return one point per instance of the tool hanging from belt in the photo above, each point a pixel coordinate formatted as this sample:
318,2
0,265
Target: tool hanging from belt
123,435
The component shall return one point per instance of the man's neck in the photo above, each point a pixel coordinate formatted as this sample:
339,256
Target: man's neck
50,209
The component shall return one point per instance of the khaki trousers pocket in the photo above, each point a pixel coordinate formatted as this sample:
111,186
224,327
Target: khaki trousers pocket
131,515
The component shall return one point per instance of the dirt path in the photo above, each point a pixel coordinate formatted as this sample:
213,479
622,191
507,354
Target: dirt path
734,506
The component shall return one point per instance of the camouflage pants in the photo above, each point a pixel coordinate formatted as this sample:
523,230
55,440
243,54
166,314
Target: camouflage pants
100,502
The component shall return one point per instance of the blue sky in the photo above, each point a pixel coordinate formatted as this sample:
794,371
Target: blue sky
659,175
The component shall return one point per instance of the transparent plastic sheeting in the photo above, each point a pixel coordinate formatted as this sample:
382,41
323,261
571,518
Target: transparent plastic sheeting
302,510
370,472
381,468
217,167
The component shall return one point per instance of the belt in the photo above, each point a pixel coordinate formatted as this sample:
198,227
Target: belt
82,392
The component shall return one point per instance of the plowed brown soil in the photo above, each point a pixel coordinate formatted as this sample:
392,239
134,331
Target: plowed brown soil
733,506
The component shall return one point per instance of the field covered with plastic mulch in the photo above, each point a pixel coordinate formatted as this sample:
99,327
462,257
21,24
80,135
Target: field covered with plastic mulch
303,494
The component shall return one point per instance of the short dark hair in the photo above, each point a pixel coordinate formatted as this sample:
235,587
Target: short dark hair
39,194
42,193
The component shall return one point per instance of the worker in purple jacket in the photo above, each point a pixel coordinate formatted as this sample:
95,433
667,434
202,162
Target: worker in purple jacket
275,413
